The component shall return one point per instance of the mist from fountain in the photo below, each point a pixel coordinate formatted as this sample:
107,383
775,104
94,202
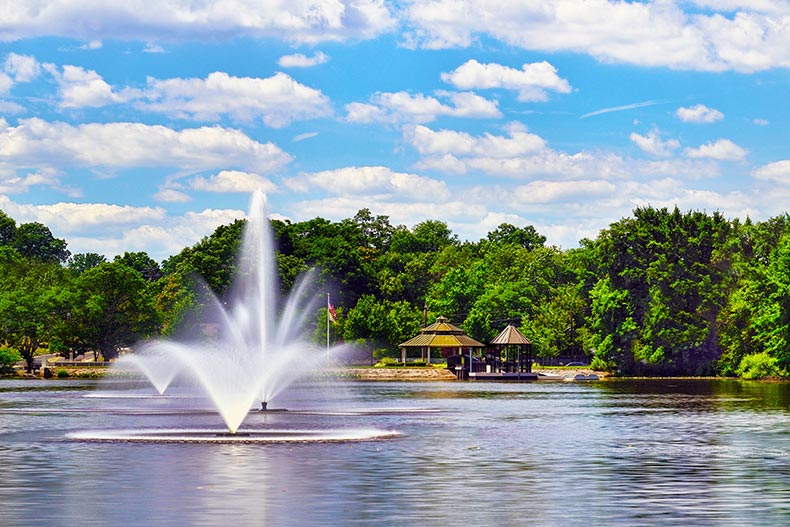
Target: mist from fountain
254,354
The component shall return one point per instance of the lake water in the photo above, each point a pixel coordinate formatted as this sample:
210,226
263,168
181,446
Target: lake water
614,453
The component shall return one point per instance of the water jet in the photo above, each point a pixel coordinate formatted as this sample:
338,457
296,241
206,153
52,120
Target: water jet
250,348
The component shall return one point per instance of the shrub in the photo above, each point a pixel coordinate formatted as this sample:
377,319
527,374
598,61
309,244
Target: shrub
758,366
598,364
385,362
62,374
8,358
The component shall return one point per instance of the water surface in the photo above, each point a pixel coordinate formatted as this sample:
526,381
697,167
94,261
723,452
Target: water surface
547,454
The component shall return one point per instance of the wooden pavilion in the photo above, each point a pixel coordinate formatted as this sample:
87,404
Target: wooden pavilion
450,340
508,356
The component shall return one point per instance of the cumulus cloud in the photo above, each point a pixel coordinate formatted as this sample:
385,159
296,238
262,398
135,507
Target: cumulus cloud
721,149
371,181
699,114
532,82
171,195
653,144
233,181
403,107
76,217
6,82
277,100
299,60
80,88
778,171
178,20
23,68
39,143
748,39
519,154
518,143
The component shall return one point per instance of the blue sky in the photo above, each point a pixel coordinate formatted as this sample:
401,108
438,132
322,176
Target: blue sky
143,126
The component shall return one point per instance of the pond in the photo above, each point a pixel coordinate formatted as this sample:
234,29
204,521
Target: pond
663,452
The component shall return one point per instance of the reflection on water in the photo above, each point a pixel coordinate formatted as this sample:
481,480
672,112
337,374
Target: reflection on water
555,454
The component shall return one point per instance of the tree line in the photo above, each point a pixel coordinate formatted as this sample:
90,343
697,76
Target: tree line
663,292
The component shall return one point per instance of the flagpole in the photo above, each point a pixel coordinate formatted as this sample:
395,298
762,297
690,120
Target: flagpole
327,320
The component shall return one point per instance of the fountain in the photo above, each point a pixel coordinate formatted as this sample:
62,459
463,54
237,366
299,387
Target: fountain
250,356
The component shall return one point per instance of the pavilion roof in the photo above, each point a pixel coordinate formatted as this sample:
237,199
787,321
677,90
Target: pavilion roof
510,336
442,334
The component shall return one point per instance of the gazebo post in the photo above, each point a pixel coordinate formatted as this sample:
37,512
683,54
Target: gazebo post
403,355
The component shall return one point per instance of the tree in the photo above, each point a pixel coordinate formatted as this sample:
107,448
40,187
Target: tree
30,300
382,325
661,290
112,308
81,262
142,263
213,258
35,241
7,229
526,237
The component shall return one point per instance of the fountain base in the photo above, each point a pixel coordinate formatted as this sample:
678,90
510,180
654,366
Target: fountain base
245,436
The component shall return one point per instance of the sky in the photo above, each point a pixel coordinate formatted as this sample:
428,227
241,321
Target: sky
143,126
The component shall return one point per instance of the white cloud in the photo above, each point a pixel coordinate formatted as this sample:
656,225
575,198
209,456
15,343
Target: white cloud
751,39
520,154
721,149
302,137
10,108
653,144
299,60
298,21
620,108
80,88
38,143
277,100
23,68
92,45
113,229
170,195
403,107
233,181
778,172
371,181
533,81
77,217
6,82
699,114
153,47
761,122
520,142
555,192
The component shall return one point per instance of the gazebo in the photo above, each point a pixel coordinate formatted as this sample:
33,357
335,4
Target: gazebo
511,350
449,339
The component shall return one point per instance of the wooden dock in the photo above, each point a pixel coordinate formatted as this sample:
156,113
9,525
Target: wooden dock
502,376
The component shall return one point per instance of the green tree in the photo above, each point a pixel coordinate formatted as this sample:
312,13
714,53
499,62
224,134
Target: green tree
213,258
81,262
381,325
526,237
663,275
7,229
142,263
112,308
35,241
30,295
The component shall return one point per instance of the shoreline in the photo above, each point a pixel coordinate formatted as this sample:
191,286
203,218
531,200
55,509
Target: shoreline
388,374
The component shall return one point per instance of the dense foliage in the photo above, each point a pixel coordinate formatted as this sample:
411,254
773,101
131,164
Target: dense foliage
661,293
